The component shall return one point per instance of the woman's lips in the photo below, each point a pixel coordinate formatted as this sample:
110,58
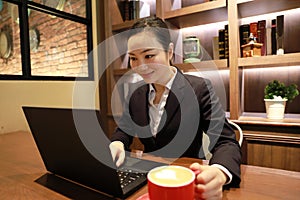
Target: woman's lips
146,75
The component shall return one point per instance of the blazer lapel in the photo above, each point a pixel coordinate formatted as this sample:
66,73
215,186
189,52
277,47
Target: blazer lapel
175,97
140,106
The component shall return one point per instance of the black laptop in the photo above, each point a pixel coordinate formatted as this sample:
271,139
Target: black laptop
74,147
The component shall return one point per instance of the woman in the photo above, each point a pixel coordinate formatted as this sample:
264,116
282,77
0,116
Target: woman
169,112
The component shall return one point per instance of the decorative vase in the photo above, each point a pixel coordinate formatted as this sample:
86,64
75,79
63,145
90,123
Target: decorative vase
275,108
191,49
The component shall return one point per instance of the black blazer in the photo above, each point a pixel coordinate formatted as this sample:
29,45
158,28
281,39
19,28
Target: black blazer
192,108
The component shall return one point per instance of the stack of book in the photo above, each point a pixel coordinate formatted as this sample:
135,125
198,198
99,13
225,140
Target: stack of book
271,38
221,44
130,9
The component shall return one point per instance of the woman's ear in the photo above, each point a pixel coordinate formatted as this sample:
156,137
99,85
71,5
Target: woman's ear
171,51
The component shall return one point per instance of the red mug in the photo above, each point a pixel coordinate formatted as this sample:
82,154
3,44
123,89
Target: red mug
171,183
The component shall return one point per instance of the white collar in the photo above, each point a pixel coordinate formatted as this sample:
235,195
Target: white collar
169,84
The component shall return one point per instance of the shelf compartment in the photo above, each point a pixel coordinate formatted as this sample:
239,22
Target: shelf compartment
292,59
249,8
117,22
204,13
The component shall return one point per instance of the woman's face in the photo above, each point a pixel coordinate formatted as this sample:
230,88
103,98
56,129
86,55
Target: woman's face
149,59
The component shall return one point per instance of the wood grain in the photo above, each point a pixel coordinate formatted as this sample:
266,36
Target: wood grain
21,165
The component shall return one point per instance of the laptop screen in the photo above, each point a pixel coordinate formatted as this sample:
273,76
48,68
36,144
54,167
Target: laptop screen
63,151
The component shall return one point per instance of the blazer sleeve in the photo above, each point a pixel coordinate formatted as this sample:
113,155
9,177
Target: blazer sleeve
224,147
134,104
123,127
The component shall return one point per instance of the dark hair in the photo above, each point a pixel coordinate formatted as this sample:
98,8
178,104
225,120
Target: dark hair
155,26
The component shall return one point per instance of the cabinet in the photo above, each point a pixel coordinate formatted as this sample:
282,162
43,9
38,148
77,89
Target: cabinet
244,78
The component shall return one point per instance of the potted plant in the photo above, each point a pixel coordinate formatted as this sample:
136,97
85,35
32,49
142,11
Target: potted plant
276,96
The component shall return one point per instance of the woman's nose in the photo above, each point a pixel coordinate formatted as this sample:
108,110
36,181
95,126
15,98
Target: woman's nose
141,62
141,67
137,63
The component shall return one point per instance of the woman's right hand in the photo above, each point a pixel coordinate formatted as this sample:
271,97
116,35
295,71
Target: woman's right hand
117,152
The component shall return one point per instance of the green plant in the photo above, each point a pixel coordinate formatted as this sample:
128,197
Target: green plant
276,88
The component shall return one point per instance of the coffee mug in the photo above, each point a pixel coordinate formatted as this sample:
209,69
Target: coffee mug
171,183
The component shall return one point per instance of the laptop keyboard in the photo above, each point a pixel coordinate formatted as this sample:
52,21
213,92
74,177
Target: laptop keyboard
128,176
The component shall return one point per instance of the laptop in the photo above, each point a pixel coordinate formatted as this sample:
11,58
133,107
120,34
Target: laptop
73,146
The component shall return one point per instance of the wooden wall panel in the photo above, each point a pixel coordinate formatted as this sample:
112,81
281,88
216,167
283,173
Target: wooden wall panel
272,149
274,155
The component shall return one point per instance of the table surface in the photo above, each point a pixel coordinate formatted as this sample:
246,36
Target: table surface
21,165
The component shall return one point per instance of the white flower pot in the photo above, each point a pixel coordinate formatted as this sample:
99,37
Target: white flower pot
275,108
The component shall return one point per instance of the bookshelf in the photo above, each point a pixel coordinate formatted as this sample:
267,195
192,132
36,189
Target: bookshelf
291,120
230,12
248,9
204,13
291,59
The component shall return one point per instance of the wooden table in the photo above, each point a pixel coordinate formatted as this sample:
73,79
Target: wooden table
21,165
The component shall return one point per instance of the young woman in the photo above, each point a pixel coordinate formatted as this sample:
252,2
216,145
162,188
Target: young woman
169,112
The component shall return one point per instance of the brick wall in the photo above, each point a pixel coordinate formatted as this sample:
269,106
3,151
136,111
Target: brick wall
62,48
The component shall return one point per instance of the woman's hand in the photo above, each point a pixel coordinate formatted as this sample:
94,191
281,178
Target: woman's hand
209,182
117,152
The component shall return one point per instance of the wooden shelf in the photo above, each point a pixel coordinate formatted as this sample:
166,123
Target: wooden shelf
248,8
274,138
292,59
123,26
204,13
231,12
290,120
195,9
203,65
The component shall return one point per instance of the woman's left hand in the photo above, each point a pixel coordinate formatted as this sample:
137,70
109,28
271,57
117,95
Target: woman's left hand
209,182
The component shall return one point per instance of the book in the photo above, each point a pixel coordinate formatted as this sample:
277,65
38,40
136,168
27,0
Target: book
222,44
279,34
261,35
215,47
268,41
226,41
273,36
130,9
244,35
124,8
253,29
134,9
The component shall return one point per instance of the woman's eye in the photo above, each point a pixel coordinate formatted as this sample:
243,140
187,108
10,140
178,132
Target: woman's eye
149,56
132,58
